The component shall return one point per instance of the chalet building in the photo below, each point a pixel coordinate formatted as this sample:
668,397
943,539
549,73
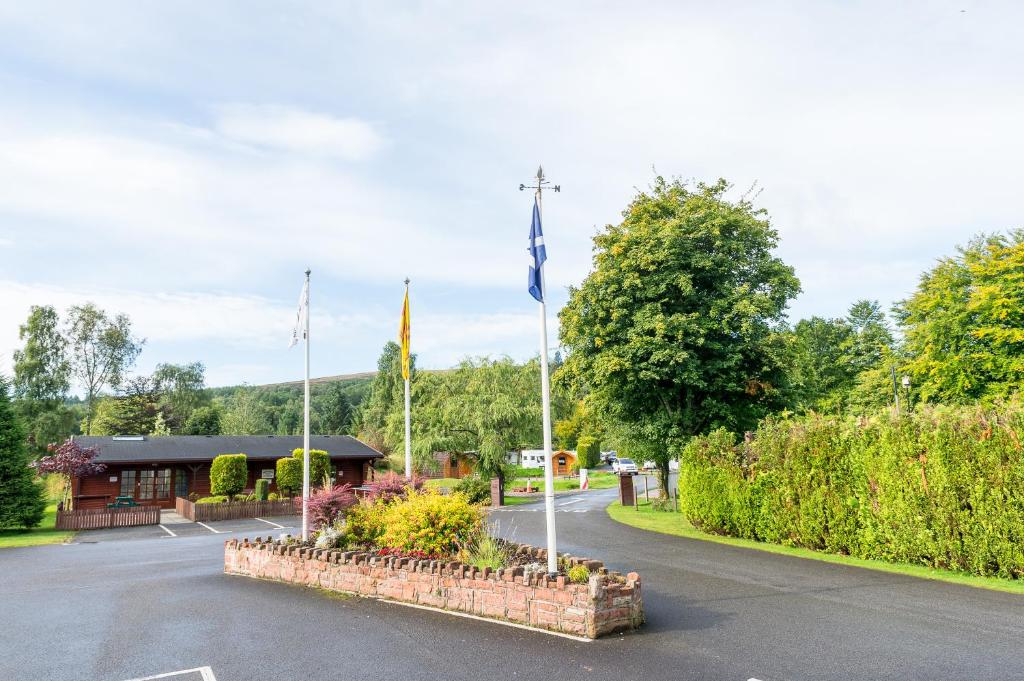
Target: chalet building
155,470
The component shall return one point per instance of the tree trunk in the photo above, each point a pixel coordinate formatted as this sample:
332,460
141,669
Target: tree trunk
663,475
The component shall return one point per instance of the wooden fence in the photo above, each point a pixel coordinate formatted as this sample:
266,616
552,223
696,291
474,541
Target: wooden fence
233,509
103,518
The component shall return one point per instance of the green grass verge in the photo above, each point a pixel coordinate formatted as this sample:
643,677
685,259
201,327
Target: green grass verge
646,518
44,534
439,483
517,501
597,481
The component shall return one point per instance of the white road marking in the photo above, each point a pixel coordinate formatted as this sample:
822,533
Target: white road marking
573,501
210,528
280,527
167,531
205,672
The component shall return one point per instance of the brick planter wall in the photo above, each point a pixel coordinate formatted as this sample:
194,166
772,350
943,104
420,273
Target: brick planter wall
610,602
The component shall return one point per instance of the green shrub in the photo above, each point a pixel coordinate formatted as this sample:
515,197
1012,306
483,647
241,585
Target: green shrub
485,551
228,474
220,499
262,489
289,476
475,487
942,487
588,451
579,574
365,523
319,466
273,496
429,522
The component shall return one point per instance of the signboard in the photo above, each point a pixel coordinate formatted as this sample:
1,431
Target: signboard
267,474
113,478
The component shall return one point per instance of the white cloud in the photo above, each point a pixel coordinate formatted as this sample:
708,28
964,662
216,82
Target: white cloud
293,130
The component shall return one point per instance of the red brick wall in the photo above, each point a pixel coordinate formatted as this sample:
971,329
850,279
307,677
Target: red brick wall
608,603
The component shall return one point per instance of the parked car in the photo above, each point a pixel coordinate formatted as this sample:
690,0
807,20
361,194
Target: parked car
624,466
649,466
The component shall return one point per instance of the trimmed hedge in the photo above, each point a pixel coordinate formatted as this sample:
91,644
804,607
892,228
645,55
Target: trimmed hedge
289,475
319,466
942,487
262,489
588,451
228,474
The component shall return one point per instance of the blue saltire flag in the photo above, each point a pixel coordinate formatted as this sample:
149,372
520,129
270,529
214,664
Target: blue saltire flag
538,254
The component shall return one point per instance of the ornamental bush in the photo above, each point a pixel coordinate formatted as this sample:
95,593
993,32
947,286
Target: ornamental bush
364,523
262,489
328,505
289,476
942,487
319,466
437,525
475,487
228,474
391,485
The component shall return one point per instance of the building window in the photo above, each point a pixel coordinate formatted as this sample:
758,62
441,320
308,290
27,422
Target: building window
146,484
127,483
163,483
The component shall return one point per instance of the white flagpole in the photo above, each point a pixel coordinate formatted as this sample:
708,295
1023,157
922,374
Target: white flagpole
545,387
305,432
408,422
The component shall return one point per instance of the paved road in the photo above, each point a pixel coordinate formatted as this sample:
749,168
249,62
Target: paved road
127,608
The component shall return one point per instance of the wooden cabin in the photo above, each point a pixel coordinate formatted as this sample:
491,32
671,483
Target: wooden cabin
563,462
452,465
155,470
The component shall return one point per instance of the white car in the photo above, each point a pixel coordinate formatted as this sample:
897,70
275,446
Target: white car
624,466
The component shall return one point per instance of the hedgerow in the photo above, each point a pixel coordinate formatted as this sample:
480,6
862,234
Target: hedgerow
942,487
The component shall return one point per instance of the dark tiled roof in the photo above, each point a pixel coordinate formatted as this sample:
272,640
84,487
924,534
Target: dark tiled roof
205,447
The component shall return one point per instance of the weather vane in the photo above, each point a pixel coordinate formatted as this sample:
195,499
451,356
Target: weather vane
541,183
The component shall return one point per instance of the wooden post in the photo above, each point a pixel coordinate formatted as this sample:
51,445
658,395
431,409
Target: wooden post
627,496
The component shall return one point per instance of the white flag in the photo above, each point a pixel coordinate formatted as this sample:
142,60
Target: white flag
299,332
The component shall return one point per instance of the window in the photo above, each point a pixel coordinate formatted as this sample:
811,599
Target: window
163,483
127,483
146,484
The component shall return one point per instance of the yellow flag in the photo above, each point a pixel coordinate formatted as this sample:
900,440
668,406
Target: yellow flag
403,336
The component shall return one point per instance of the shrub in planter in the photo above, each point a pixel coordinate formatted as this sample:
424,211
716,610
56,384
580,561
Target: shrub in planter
228,474
364,523
289,475
476,488
429,522
391,485
326,506
331,537
273,496
262,489
579,574
219,499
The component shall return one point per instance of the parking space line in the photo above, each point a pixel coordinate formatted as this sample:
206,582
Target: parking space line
280,527
205,672
210,528
167,531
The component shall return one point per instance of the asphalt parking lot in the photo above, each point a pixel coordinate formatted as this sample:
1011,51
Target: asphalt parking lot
252,526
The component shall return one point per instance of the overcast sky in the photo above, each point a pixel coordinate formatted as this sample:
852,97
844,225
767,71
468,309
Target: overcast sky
185,162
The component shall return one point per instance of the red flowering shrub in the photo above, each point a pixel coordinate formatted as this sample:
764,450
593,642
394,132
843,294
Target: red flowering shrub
326,506
391,485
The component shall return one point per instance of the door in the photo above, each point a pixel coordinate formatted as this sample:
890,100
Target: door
146,486
181,483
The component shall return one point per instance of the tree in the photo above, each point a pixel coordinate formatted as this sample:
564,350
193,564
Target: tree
246,415
203,421
331,411
21,499
70,460
676,331
181,391
102,351
821,365
964,326
41,369
489,407
381,413
872,337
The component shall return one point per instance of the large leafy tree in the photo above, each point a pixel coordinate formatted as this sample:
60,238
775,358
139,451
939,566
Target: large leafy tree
102,350
676,330
378,421
246,414
181,391
484,406
203,421
331,410
964,326
21,498
42,372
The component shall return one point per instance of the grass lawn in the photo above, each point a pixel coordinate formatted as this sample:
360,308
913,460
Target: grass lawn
597,481
646,518
438,483
44,534
516,501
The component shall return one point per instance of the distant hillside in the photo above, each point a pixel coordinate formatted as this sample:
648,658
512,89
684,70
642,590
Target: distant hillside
323,379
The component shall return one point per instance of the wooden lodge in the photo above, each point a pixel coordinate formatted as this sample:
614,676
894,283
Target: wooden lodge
155,470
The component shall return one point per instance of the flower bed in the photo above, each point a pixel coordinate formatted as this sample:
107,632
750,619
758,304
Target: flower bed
607,602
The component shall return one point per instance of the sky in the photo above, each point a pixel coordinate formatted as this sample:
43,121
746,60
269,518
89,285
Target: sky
185,162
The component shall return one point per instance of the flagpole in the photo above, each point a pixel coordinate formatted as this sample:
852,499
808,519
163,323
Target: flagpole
305,431
408,422
545,386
